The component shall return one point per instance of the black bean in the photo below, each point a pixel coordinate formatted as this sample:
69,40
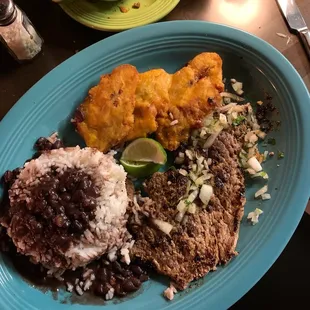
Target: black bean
52,196
119,290
77,226
65,197
42,144
136,282
38,227
106,263
57,144
101,289
89,203
119,277
117,267
16,172
112,280
70,208
93,191
127,273
62,188
136,270
40,204
103,274
59,209
128,286
70,185
62,242
53,203
78,196
35,226
61,221
144,278
48,213
54,183
84,218
76,215
85,184
8,176
50,190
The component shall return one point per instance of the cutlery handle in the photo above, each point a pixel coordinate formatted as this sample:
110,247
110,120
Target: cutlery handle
305,36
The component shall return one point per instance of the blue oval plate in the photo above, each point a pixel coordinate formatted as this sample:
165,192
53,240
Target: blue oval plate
48,106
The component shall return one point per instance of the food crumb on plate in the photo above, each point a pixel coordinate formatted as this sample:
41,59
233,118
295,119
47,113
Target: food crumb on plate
254,215
123,9
170,291
136,5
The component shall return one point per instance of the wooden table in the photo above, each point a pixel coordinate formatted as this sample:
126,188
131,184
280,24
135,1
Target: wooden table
288,280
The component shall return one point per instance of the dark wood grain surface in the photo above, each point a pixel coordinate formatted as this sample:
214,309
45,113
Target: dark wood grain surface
287,282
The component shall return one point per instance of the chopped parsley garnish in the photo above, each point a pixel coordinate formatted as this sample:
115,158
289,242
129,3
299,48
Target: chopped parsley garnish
280,155
187,202
272,141
238,120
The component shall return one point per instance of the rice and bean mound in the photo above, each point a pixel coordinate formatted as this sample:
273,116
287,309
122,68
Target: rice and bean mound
66,209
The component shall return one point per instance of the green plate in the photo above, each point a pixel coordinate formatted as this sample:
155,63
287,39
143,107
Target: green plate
107,15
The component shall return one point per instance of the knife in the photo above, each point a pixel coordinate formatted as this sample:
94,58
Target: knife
296,22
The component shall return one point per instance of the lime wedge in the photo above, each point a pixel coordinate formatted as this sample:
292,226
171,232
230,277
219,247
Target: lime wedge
143,157
139,169
145,150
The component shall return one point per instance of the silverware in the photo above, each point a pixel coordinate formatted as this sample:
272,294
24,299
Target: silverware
296,22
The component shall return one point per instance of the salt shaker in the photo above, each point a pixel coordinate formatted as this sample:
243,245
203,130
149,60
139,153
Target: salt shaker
17,32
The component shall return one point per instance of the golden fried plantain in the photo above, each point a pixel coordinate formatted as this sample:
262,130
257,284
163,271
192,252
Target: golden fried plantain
194,92
152,99
126,105
108,109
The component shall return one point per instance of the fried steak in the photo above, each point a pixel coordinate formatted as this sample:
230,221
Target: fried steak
209,236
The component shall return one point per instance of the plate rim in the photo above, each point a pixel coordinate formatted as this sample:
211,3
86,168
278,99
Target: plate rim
288,223
161,14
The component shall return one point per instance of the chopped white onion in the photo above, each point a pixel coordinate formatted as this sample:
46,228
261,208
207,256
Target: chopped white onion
193,176
192,208
250,137
265,155
205,194
251,171
179,160
266,196
189,154
254,164
261,174
223,119
231,96
261,191
260,134
182,206
237,85
253,216
193,187
179,216
183,172
165,227
210,140
201,179
192,196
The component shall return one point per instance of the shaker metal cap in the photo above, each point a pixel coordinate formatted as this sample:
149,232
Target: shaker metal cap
7,12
